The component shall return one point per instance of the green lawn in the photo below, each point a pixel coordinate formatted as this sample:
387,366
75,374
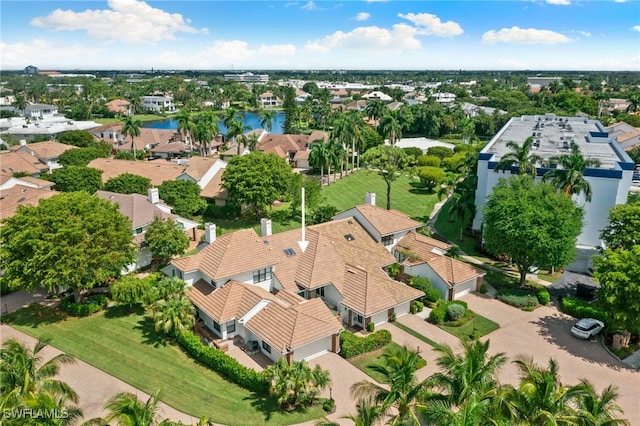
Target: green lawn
480,324
141,117
449,228
415,334
126,346
406,195
365,361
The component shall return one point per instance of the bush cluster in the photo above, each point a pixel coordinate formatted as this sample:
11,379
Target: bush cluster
580,309
222,363
439,314
455,311
543,296
353,345
328,405
91,305
432,295
416,306
521,301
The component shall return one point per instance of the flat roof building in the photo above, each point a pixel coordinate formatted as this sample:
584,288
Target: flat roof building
552,136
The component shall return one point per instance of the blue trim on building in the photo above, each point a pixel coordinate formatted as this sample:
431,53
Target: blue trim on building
599,134
604,173
485,155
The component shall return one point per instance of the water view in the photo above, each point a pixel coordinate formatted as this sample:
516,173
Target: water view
249,119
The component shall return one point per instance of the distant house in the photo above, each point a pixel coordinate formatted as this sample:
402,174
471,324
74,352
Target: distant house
207,173
158,104
119,106
47,152
287,146
377,95
8,181
471,110
40,111
444,98
22,163
148,139
423,256
171,150
157,171
142,211
269,100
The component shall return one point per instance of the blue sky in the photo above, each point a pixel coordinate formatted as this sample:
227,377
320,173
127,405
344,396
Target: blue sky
349,34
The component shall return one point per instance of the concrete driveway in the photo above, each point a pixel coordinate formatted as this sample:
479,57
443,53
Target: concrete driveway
544,334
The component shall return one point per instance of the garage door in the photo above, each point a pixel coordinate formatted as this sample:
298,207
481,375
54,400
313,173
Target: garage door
464,289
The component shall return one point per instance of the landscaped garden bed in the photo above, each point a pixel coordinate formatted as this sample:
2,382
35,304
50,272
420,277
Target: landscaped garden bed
366,362
454,318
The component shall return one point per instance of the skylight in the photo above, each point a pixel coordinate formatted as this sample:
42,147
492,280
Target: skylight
349,237
289,252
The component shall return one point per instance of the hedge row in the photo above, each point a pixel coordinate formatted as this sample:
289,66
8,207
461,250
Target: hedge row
352,345
519,300
222,363
581,309
91,305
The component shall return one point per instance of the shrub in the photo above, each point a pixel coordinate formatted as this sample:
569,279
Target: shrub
393,269
413,308
543,296
581,309
455,311
483,289
91,305
429,160
353,345
329,405
228,211
222,363
370,327
419,305
519,301
439,312
432,296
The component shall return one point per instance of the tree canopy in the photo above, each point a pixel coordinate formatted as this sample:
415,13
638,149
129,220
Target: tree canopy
531,224
183,196
257,179
76,178
73,240
388,161
166,239
623,231
128,183
79,157
80,138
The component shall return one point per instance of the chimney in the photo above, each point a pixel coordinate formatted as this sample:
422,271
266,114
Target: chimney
265,227
23,142
370,198
209,232
154,195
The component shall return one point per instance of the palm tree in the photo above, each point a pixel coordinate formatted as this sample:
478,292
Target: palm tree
472,412
266,119
252,141
22,368
404,392
369,413
464,202
173,315
336,152
319,156
521,156
473,373
205,129
390,127
355,125
53,402
126,409
541,399
570,179
598,409
295,384
131,127
375,109
186,125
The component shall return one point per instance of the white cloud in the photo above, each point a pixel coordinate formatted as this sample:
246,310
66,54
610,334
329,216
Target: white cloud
373,38
290,4
310,6
560,2
16,55
128,21
432,25
362,16
636,28
519,35
620,1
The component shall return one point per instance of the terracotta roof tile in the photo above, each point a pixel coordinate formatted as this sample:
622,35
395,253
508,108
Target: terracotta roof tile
136,207
157,171
421,245
14,197
214,188
21,162
44,150
387,221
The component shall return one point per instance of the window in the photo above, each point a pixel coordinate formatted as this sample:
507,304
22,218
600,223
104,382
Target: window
320,291
138,231
266,347
231,327
216,326
387,240
261,275
302,293
359,319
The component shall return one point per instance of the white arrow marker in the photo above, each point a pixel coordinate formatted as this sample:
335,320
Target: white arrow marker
304,243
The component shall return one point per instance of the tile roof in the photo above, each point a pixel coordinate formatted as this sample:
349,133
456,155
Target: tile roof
198,166
430,251
19,195
387,221
214,188
231,254
172,147
41,183
149,137
287,327
232,300
136,207
282,144
21,162
44,150
157,171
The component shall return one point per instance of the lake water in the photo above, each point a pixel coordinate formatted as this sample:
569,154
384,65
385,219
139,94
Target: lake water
249,119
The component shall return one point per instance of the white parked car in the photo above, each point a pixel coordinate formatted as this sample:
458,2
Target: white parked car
586,328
